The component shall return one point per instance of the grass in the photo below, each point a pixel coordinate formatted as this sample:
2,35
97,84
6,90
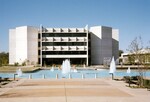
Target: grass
12,69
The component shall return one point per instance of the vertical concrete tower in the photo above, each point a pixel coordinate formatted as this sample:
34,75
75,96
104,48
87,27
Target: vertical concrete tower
115,43
23,45
103,41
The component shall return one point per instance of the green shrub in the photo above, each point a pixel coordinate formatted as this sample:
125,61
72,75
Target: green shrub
24,64
16,64
0,63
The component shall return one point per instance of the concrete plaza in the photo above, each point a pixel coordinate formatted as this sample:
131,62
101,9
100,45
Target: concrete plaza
72,90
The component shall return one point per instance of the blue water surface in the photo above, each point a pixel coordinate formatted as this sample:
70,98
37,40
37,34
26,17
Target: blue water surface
86,73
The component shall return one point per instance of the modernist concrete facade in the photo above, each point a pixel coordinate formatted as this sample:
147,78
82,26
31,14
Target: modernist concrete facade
104,44
23,45
90,46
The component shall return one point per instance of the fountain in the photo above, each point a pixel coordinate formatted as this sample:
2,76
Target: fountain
19,72
128,71
84,66
112,67
66,67
52,69
74,69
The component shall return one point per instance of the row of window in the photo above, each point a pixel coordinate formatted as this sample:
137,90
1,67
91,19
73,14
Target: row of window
64,43
63,34
64,53
58,61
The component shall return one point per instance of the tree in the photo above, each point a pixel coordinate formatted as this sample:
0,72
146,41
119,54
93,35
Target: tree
120,52
137,57
4,57
120,60
0,63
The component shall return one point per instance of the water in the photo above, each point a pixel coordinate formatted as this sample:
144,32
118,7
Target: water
19,72
112,66
87,74
52,69
66,67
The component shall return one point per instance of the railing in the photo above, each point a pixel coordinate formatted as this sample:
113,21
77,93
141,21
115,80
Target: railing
64,39
64,48
65,30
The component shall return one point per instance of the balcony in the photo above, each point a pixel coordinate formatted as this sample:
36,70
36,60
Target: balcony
81,48
72,39
57,39
64,48
57,48
81,39
64,39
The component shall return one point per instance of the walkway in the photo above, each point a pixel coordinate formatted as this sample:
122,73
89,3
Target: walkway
72,90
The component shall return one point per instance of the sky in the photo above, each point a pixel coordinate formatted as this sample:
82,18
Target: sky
131,17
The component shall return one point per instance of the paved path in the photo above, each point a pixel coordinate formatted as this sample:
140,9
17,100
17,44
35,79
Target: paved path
72,90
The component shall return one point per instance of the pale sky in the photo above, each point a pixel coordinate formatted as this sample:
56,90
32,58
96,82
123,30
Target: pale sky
131,17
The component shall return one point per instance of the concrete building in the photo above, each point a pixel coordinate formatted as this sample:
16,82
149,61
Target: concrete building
47,46
23,45
131,58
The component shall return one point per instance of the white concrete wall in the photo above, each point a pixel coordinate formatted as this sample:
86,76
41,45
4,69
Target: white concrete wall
21,44
32,45
12,46
106,45
101,44
96,38
115,42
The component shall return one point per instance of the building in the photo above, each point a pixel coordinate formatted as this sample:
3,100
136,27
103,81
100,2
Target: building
141,56
47,46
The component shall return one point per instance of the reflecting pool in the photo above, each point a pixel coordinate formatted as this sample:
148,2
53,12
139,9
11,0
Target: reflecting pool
86,73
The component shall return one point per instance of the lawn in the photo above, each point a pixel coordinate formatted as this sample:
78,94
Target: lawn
13,69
